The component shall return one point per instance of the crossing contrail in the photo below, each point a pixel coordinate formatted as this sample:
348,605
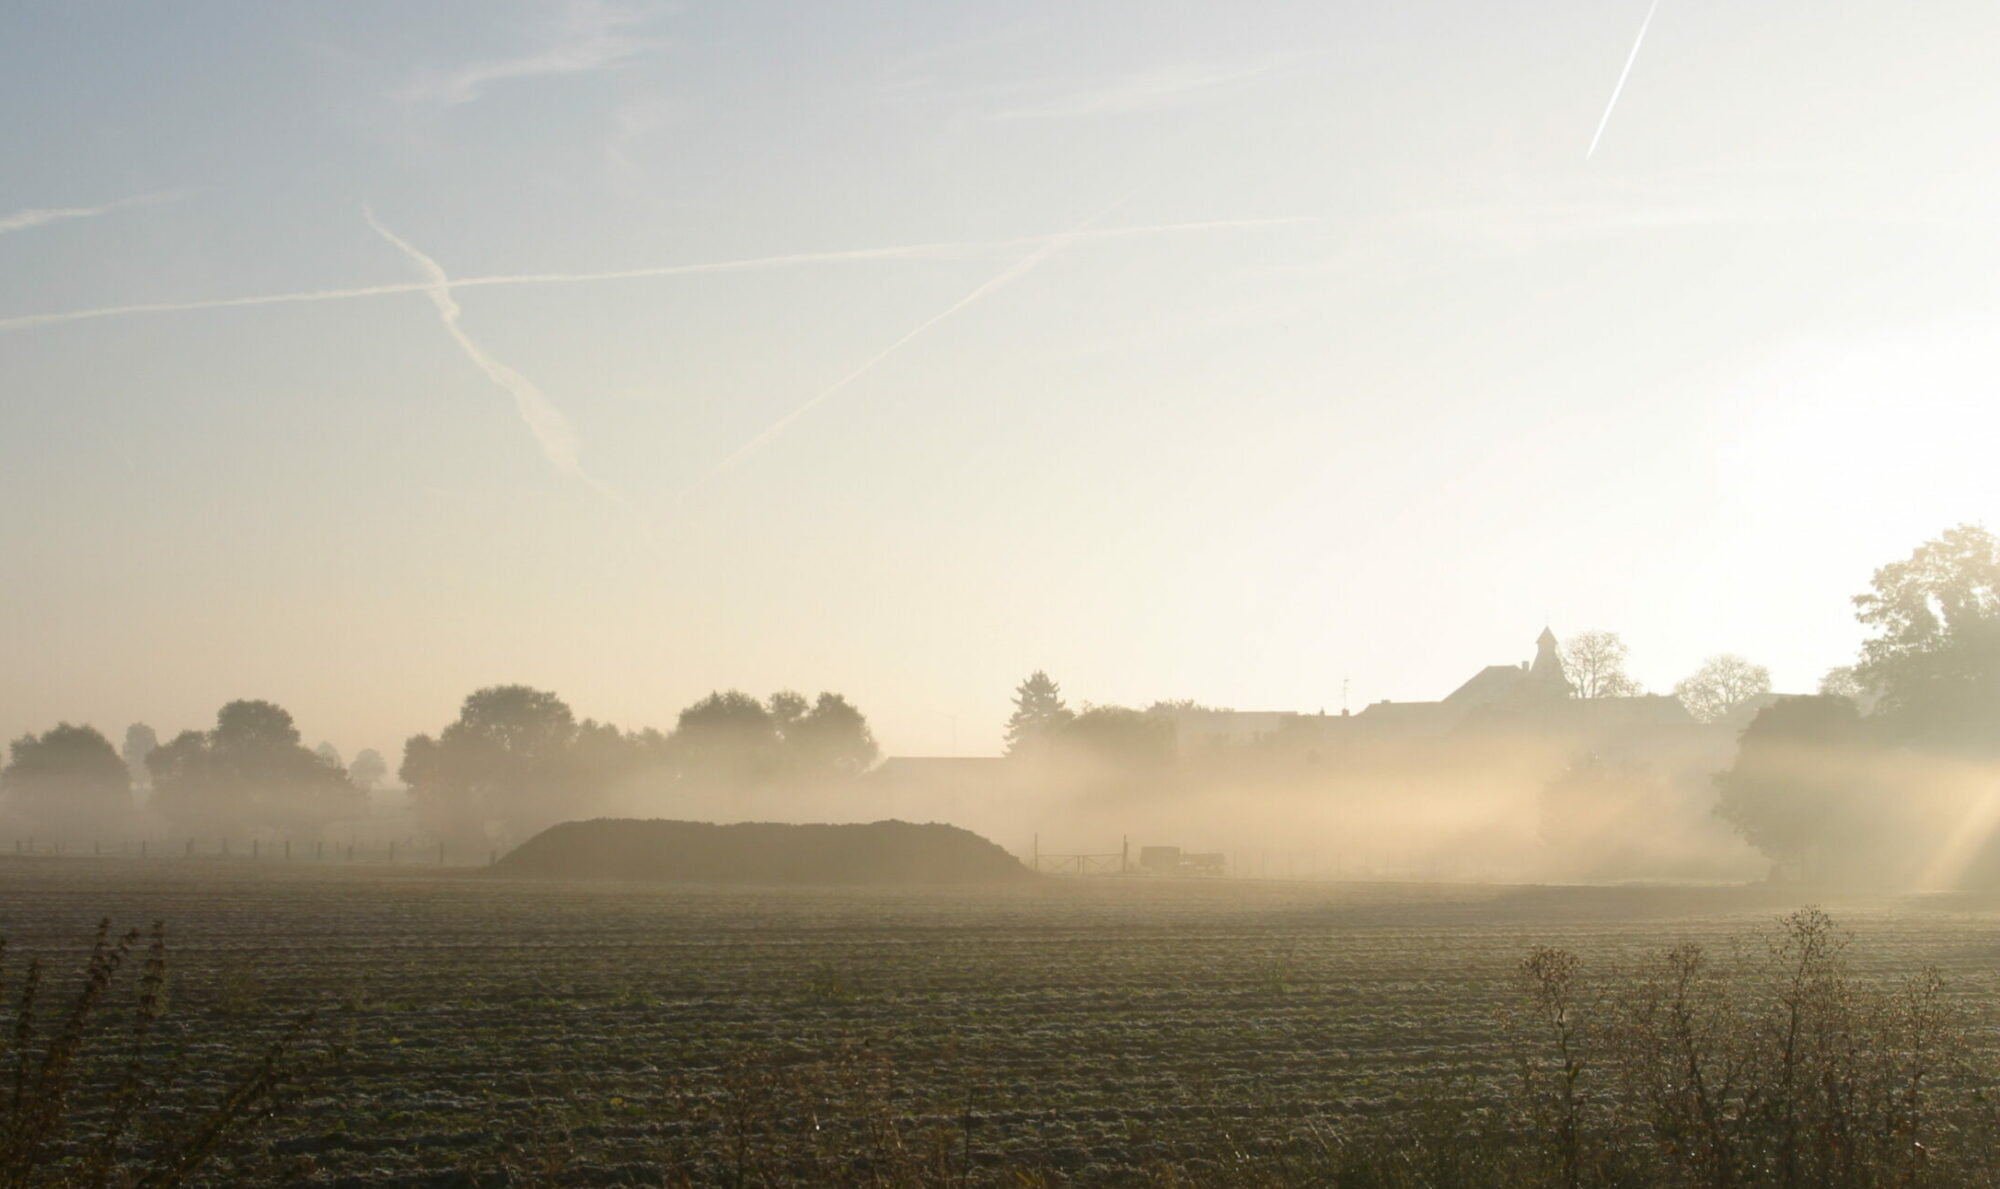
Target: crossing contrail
552,431
1622,76
926,251
1004,277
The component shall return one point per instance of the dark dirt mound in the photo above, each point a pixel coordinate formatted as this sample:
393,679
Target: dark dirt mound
761,852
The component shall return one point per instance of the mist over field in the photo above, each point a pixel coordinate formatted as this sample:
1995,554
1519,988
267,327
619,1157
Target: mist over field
626,592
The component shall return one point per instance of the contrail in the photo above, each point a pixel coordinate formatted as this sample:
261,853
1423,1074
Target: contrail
933,251
553,431
35,217
1622,76
1005,276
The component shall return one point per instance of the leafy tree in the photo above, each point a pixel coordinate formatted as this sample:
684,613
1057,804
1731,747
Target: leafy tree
729,740
604,759
1935,658
1120,738
503,766
1039,714
251,772
183,784
331,754
368,770
788,708
1723,683
139,743
66,778
830,741
1794,785
1595,662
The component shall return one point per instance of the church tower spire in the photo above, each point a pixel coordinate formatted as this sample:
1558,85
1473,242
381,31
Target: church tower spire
1546,675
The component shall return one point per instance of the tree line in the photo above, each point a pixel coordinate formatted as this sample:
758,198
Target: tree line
514,759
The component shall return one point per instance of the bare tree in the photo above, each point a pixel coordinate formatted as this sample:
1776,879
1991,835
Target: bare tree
1723,683
1595,662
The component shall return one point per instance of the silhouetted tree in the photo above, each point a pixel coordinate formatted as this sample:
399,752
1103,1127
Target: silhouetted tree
368,770
183,787
66,779
1038,715
1119,738
503,767
1723,683
1935,660
788,708
829,741
728,740
250,772
139,743
605,760
1795,782
331,754
1595,662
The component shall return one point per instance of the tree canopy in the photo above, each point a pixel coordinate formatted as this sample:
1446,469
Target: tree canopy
250,770
1794,783
368,769
830,740
67,778
1121,738
1935,655
502,765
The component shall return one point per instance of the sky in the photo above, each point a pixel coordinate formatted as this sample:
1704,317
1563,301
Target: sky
359,355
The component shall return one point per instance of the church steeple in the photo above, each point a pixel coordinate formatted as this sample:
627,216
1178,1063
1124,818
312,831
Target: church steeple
1547,674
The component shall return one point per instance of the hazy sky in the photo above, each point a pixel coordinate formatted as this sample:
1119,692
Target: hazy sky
1259,346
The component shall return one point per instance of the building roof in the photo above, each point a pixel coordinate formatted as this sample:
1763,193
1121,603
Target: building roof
1490,684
